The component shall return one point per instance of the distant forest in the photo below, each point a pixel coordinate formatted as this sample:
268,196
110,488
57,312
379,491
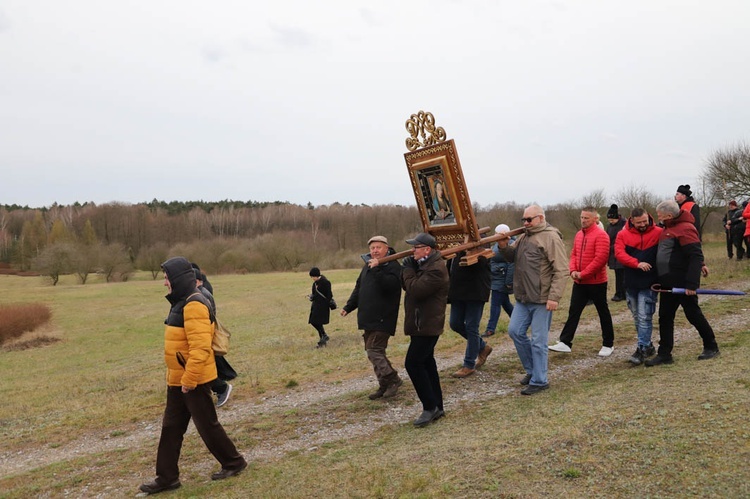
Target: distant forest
114,239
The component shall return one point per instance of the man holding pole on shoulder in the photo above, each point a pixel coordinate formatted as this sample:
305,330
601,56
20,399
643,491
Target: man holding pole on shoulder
377,297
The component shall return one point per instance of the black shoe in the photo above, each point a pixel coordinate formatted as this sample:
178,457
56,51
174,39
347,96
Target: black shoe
323,341
638,356
532,389
427,417
617,298
708,354
650,351
526,380
658,360
156,487
225,473
440,414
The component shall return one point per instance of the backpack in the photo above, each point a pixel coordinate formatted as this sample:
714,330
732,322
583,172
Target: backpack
221,336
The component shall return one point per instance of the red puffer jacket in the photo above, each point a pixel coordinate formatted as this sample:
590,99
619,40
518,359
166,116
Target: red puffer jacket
590,254
746,216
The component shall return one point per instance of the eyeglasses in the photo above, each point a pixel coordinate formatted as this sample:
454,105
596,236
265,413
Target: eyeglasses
528,220
419,246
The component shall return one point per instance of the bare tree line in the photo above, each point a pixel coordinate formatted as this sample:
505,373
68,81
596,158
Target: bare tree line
113,239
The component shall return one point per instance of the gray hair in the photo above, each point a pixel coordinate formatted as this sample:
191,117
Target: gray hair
670,207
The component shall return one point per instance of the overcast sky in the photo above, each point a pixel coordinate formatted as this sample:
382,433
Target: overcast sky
306,101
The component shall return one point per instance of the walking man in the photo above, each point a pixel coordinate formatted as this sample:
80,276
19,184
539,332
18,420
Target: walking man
539,282
635,248
588,269
679,264
377,297
425,280
469,291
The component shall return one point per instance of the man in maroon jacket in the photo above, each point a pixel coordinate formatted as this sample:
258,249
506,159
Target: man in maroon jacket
679,264
588,269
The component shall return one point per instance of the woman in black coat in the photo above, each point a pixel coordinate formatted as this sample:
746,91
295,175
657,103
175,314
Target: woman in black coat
320,312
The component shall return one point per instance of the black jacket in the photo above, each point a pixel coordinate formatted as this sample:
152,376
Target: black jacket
471,282
320,313
377,295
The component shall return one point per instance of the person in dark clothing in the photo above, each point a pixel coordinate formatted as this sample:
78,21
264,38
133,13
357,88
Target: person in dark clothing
684,199
206,284
190,371
501,285
468,292
320,311
616,223
679,264
734,228
224,370
424,277
377,298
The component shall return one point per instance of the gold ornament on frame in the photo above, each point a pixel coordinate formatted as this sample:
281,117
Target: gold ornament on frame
422,125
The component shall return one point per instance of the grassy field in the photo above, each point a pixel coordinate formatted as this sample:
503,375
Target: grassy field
604,429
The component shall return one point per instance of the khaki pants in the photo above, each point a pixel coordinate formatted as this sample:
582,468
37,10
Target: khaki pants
376,343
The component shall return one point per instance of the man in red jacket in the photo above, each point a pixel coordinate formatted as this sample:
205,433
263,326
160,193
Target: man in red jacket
588,269
635,248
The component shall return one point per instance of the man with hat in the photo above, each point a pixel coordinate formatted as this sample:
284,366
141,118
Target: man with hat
616,223
377,297
684,198
424,277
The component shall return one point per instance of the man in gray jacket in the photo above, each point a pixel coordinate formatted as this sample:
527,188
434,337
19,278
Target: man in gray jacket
539,282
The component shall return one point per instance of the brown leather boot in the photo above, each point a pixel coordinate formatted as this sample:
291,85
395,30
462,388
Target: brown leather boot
392,389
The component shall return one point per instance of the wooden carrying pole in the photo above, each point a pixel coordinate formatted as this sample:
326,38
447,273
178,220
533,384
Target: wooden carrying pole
449,252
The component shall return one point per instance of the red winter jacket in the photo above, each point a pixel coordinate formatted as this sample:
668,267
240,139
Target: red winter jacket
746,216
590,254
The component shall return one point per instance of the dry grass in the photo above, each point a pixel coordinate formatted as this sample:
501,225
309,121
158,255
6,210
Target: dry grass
17,319
604,429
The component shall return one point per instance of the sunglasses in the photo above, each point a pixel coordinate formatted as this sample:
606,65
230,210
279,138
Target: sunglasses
528,220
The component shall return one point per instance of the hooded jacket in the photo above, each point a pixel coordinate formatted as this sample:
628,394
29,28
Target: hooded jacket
321,293
589,255
426,285
632,247
541,264
679,257
612,231
377,295
189,329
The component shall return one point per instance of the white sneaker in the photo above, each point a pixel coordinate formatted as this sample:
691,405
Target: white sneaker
559,347
606,351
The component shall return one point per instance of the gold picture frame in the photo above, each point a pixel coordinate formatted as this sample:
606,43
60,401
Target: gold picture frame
441,194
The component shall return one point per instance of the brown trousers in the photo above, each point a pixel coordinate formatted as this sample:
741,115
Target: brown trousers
376,343
197,404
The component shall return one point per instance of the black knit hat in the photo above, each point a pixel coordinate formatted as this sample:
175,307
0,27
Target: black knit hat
315,272
685,189
613,213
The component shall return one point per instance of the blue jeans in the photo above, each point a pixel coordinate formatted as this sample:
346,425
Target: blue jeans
532,352
464,319
642,304
497,300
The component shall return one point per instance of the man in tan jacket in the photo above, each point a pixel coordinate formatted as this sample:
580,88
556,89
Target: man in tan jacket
539,281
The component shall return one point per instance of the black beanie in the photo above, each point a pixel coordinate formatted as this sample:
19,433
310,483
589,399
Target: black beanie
315,272
613,213
685,189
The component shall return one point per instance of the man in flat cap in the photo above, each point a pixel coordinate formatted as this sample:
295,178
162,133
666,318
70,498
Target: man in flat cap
425,279
377,297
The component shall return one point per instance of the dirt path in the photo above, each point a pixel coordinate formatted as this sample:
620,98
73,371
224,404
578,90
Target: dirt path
319,428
